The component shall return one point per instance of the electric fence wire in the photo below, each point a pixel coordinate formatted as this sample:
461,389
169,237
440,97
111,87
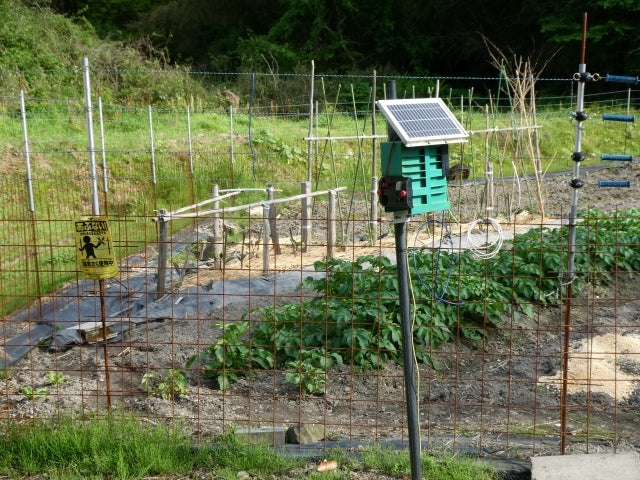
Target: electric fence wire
445,235
112,71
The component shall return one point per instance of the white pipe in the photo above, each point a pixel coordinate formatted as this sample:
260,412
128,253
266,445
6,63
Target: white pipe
27,155
92,155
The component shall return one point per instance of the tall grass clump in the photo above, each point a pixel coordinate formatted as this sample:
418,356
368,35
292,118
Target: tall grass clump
124,447
434,466
113,447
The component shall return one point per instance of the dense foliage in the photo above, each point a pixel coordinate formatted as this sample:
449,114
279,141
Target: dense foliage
355,319
47,50
426,36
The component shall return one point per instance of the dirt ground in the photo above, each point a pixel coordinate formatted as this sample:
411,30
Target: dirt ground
500,398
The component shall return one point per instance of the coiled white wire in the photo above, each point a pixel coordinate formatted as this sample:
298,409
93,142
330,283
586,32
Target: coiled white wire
486,250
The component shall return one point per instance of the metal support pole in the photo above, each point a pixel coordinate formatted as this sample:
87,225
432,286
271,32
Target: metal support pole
32,208
411,394
162,253
96,211
488,169
152,147
265,238
189,140
374,160
575,183
390,92
27,154
105,182
92,150
217,229
310,145
231,148
410,378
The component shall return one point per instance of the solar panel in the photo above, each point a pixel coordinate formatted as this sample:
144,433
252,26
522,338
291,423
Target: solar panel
423,121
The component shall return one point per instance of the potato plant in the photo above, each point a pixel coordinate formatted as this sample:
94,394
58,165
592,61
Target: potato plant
355,317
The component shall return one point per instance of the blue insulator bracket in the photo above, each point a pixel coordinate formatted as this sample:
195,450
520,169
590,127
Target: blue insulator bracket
614,183
621,79
618,118
616,158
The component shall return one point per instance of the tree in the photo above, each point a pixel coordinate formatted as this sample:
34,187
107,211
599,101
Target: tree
342,36
207,33
613,38
107,16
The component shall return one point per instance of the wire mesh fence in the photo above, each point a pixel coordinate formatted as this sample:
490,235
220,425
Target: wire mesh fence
271,312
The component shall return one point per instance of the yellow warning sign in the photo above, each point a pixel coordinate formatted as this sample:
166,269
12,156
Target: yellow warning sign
95,250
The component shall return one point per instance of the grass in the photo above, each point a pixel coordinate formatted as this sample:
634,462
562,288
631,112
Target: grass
37,253
277,154
434,465
118,447
123,447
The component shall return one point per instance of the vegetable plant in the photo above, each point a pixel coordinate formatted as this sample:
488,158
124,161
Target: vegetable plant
354,318
168,386
33,394
56,378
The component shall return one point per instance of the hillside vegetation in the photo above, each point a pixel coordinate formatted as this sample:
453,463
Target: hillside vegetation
45,51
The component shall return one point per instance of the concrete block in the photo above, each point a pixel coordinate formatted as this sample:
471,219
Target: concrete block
306,433
273,436
594,466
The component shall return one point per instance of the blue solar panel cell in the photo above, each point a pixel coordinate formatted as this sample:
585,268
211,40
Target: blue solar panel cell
423,121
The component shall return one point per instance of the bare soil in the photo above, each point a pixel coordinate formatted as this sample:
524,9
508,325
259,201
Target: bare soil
500,398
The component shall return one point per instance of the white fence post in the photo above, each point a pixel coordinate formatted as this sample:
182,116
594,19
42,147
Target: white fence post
331,225
305,220
265,237
217,230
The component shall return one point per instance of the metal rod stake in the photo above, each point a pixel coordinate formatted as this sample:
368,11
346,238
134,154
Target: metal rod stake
407,346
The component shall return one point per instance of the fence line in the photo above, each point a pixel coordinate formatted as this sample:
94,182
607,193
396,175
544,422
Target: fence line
488,330
267,227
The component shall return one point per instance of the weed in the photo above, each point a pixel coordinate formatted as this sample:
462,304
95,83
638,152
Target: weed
170,385
276,146
310,370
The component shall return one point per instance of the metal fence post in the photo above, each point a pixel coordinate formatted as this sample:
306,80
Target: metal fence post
265,237
217,229
331,225
162,253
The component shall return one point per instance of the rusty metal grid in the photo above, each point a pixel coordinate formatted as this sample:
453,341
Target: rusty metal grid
498,397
